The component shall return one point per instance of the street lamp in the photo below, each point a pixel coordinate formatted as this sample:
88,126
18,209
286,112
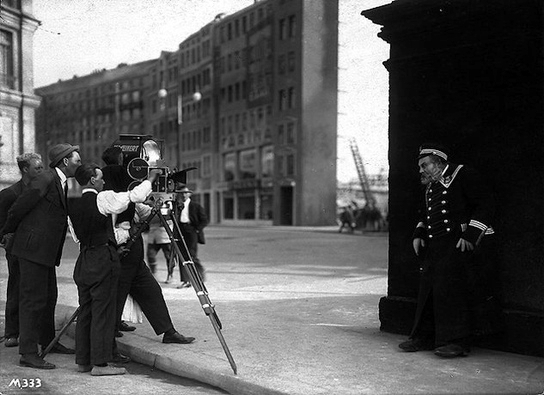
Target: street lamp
197,96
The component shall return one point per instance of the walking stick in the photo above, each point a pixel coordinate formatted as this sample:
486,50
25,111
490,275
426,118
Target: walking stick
62,331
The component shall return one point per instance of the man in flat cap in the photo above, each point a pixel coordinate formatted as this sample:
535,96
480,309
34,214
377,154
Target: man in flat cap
38,219
456,298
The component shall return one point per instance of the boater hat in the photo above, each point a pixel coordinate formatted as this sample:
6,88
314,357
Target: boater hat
59,152
432,149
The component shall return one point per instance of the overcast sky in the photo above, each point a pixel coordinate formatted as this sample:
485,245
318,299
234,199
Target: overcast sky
77,37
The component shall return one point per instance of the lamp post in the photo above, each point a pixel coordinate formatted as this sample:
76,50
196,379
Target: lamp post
163,93
197,96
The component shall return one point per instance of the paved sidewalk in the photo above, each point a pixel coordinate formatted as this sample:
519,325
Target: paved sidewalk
292,333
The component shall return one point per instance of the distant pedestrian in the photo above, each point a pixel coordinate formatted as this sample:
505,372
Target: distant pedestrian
347,219
30,165
453,238
157,240
192,219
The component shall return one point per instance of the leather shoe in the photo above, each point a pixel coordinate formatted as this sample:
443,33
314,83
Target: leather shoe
84,368
120,358
11,342
184,284
118,334
452,350
34,361
60,349
417,344
107,371
126,328
177,338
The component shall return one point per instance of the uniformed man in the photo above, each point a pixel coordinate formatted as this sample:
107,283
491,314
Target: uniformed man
455,299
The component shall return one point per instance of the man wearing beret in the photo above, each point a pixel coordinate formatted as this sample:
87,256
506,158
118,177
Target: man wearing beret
38,219
453,240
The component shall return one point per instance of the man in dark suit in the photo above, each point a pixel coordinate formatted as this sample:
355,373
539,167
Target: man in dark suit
39,220
192,219
30,165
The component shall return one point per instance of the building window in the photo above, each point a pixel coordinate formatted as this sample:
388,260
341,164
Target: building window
206,165
291,133
7,77
291,61
282,64
291,98
281,135
290,166
292,25
229,166
282,98
267,161
282,29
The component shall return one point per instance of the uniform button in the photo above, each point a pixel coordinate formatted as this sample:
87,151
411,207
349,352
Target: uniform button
429,209
430,236
430,191
445,193
429,226
444,211
443,202
428,217
446,221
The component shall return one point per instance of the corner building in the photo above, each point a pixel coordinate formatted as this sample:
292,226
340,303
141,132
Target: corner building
17,99
276,103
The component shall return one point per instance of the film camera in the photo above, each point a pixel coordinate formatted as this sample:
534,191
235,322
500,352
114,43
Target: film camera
141,154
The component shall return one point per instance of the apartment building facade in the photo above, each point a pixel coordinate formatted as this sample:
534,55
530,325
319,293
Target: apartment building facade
250,100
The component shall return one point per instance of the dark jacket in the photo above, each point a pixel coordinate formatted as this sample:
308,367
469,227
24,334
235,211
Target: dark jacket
39,219
7,198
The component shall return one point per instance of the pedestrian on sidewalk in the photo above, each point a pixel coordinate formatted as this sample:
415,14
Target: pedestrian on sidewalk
39,219
96,272
454,240
157,240
192,220
30,165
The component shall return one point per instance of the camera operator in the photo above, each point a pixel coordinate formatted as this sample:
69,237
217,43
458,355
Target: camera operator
96,273
135,277
192,219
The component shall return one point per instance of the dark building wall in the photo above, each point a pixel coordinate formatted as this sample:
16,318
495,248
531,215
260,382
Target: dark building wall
469,74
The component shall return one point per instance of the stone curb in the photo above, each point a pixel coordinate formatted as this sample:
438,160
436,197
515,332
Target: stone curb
233,384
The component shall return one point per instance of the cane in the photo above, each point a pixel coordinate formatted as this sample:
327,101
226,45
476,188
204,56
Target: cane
62,331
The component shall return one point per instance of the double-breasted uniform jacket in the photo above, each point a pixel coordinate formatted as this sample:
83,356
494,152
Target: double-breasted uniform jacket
459,205
459,201
39,217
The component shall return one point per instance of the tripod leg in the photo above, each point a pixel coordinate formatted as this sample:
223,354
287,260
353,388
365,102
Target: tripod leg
197,283
62,331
